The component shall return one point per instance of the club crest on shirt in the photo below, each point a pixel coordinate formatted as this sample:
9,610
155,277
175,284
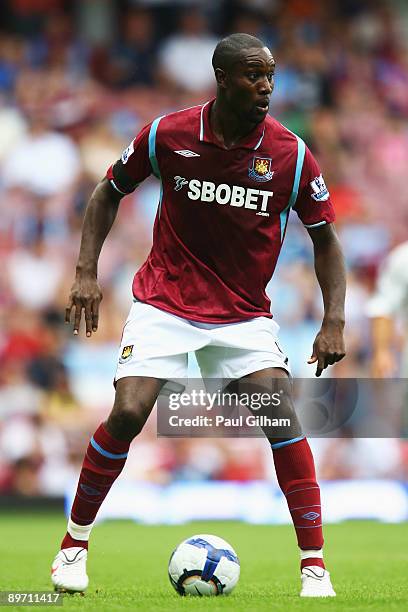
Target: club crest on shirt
320,191
261,169
126,353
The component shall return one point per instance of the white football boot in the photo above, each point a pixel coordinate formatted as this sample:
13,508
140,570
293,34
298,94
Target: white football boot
316,582
68,571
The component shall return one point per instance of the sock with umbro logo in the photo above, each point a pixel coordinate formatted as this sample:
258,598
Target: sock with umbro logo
296,475
104,460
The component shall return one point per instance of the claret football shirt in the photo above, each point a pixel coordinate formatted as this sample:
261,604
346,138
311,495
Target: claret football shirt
222,214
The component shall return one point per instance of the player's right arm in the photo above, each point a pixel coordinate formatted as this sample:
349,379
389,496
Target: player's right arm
121,179
85,292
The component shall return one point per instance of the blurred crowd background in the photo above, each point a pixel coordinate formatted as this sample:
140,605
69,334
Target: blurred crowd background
77,82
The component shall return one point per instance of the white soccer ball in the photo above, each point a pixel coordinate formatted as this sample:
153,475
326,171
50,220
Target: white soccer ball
204,565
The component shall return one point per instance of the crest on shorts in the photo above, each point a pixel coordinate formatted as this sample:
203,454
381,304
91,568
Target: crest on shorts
126,353
261,169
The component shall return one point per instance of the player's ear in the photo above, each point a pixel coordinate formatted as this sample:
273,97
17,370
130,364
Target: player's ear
220,76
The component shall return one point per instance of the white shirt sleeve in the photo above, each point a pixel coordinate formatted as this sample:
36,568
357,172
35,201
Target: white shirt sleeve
392,285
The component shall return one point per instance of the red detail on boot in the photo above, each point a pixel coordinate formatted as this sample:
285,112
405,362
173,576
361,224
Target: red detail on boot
68,541
296,474
97,475
312,561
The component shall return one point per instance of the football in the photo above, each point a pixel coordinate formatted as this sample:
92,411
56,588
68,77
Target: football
204,565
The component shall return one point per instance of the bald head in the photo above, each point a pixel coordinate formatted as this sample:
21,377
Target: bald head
229,49
244,70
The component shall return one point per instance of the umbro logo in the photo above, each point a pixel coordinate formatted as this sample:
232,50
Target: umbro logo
187,153
310,516
89,490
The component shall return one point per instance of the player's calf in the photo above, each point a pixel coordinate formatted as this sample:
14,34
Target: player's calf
296,475
104,460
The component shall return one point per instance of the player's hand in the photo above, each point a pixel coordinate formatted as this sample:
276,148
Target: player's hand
85,295
328,347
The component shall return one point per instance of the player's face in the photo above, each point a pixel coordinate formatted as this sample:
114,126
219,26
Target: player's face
249,84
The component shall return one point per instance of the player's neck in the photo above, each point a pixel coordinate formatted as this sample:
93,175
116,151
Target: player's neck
227,126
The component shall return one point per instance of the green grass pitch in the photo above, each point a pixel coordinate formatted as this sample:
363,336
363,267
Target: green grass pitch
128,565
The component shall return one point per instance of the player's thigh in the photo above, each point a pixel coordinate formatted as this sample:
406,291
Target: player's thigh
137,393
266,374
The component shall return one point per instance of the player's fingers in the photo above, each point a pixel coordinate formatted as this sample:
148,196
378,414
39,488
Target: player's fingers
77,319
88,318
320,365
68,311
95,314
312,359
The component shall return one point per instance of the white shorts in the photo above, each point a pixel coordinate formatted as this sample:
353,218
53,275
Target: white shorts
156,343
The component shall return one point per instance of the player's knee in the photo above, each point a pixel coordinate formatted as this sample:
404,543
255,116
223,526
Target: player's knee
127,419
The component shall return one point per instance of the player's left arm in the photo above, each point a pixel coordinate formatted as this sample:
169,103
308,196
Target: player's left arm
328,347
315,210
